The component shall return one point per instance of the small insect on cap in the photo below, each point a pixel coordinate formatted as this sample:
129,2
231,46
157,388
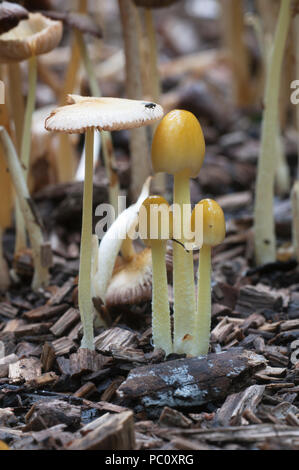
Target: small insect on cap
33,36
154,3
178,144
155,219
108,114
213,222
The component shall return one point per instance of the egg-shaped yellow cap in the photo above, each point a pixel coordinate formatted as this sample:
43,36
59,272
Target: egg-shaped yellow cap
213,222
178,144
155,219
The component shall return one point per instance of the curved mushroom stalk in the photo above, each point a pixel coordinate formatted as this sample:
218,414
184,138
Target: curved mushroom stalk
264,226
41,273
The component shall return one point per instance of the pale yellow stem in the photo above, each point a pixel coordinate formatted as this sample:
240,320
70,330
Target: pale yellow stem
202,326
161,328
183,273
127,249
84,286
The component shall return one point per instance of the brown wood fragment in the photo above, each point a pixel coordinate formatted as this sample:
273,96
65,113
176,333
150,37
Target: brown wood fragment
117,338
63,346
115,432
111,389
85,361
49,378
65,322
180,443
256,298
25,369
86,390
192,382
45,312
32,329
46,414
171,417
47,357
61,293
7,310
232,409
244,434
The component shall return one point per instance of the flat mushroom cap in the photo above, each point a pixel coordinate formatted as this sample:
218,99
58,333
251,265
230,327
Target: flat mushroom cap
31,37
108,114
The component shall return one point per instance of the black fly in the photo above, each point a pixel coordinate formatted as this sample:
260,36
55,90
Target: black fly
150,105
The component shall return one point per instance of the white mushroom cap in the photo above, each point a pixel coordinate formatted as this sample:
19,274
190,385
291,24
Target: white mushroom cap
108,114
34,36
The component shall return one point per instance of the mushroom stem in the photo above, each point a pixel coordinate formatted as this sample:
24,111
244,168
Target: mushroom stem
140,167
159,180
4,274
84,286
16,101
161,328
295,189
106,140
41,274
21,240
183,271
203,314
265,246
26,138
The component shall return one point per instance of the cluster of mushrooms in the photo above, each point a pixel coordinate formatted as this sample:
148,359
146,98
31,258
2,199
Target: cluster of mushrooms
178,149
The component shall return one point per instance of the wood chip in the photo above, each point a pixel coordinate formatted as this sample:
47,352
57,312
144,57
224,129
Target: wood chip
25,369
189,383
117,338
45,312
256,298
65,322
115,432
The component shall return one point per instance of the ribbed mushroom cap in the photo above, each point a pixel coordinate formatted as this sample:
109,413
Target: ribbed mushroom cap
10,15
154,3
131,282
31,37
108,114
213,222
178,144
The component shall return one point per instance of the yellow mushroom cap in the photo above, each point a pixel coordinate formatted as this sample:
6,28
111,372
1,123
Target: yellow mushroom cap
155,219
33,36
213,222
178,144
108,114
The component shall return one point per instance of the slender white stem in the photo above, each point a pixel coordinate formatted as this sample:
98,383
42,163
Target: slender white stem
84,287
265,243
41,274
183,274
160,304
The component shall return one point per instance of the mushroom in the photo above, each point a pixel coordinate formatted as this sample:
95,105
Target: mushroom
86,114
264,227
213,227
178,148
125,279
32,37
154,226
